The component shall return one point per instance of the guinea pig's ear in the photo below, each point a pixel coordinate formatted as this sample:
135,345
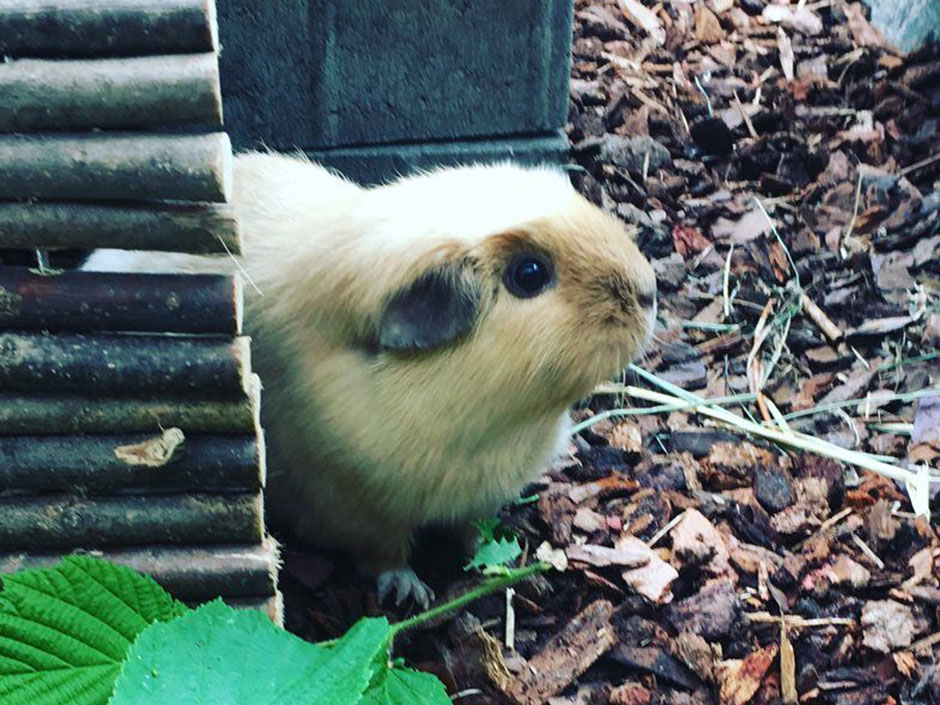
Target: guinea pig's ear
436,309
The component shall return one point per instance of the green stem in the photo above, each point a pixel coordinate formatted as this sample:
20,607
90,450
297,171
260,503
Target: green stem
489,586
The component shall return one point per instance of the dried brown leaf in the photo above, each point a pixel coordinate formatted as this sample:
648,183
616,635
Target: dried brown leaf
153,453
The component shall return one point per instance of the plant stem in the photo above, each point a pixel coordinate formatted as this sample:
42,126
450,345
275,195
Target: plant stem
489,586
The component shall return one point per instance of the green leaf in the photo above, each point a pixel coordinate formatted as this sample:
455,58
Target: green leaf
487,528
403,686
217,654
65,631
495,553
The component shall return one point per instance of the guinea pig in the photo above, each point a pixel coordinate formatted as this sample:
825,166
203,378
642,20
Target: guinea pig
420,343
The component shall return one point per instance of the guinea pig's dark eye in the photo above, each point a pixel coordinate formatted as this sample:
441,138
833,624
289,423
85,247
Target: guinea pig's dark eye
528,275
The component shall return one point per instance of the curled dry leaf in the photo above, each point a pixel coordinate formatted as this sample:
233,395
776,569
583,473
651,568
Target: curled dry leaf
153,453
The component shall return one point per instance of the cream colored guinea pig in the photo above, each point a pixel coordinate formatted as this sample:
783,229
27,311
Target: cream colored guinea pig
419,343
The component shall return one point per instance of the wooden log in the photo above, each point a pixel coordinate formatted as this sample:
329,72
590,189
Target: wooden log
188,572
79,301
117,167
115,465
205,228
77,522
272,606
42,414
59,28
139,92
125,365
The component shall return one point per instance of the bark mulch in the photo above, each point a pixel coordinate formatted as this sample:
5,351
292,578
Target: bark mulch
780,166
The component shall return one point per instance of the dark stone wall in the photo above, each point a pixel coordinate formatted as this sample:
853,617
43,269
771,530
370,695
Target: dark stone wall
316,74
378,163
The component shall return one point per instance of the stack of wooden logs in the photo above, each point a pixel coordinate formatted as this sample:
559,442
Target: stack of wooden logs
128,409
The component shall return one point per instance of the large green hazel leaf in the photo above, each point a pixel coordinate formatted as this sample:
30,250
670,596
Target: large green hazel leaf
217,654
64,631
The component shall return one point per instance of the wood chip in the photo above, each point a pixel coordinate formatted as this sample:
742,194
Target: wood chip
586,638
653,580
887,625
696,542
740,678
643,18
630,555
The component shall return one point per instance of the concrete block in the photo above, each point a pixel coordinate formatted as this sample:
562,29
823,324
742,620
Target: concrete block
327,73
375,164
906,23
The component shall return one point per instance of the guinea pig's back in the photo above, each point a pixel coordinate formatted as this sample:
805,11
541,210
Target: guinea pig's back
279,201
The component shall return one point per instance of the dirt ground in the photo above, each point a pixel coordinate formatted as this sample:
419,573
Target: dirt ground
780,166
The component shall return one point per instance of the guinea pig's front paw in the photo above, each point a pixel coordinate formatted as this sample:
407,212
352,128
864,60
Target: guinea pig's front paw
404,583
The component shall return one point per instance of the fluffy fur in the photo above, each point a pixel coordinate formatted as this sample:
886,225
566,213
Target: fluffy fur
367,444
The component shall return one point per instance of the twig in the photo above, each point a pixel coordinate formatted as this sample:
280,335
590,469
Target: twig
822,321
925,642
745,116
794,622
825,526
866,549
647,100
658,536
919,165
712,327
